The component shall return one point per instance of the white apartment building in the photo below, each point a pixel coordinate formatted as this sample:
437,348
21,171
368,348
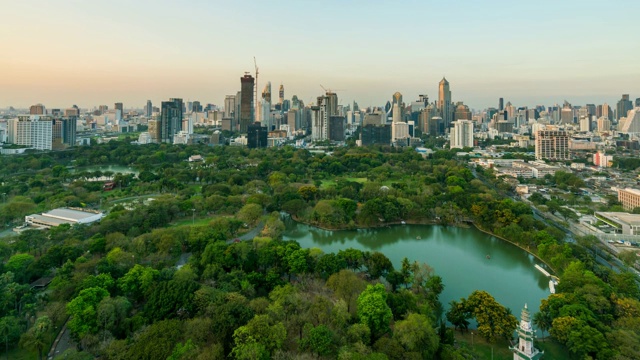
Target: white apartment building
462,134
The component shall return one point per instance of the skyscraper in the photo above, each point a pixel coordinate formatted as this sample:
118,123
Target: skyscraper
281,93
229,106
37,109
148,109
444,102
170,120
637,102
256,136
119,106
501,104
246,102
623,106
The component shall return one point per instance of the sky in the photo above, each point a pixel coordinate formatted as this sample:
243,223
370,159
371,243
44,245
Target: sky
88,53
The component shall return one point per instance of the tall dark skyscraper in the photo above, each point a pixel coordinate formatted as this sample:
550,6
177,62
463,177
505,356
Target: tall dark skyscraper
257,136
119,106
501,104
246,102
637,102
148,109
623,106
170,120
196,107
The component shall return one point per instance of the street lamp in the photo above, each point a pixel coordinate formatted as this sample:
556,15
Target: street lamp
472,339
193,216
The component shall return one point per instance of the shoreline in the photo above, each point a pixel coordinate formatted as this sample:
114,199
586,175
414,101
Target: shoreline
427,222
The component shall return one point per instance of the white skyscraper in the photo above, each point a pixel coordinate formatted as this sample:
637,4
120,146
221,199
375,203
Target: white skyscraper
462,134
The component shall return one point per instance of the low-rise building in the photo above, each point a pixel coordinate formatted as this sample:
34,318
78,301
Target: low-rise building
61,216
627,224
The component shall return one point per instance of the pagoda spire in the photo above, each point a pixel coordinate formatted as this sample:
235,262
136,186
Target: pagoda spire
524,349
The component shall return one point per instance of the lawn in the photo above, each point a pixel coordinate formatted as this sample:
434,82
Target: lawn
483,349
332,182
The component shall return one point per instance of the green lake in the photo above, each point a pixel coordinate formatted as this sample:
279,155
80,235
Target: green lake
458,255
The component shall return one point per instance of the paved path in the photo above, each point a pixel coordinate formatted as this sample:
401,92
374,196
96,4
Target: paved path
62,343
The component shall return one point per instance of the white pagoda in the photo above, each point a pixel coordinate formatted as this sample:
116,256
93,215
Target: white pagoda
524,349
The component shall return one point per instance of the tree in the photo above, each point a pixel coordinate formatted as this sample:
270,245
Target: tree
156,341
318,339
260,330
250,213
458,314
9,331
83,311
417,334
137,281
36,337
347,286
494,320
542,320
378,265
629,257
18,264
373,310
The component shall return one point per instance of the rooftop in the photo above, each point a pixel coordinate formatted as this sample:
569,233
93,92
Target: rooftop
622,217
633,191
69,214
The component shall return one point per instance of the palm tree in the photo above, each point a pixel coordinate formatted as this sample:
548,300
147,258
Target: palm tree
542,320
36,337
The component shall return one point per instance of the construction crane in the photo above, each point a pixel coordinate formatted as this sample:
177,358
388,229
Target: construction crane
255,93
329,91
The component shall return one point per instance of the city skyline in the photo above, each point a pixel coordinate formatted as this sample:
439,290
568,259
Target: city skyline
106,52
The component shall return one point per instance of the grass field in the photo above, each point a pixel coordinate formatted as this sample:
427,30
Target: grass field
332,182
500,349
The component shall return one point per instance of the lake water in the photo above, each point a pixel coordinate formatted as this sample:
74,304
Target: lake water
458,255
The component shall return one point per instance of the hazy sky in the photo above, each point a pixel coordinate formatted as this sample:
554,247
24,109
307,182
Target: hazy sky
91,52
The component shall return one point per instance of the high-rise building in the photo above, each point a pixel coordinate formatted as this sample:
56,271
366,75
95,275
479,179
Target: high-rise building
37,109
462,112
336,128
170,120
396,115
327,107
72,111
629,198
501,104
281,94
196,106
246,102
444,102
148,109
119,106
566,115
256,135
631,123
623,106
606,111
604,124
35,131
552,144
585,123
637,102
375,134
462,134
229,106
